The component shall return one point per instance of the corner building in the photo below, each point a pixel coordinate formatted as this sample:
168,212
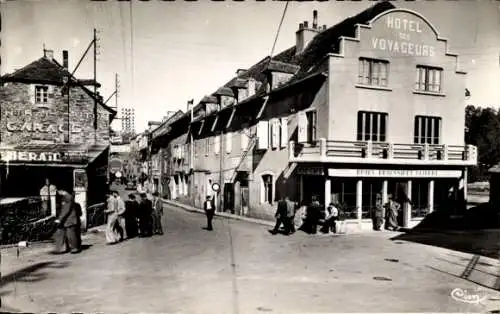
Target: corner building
53,126
371,106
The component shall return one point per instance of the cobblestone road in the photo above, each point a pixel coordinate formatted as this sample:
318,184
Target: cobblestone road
241,268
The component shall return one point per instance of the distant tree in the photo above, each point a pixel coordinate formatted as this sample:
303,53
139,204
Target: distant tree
482,129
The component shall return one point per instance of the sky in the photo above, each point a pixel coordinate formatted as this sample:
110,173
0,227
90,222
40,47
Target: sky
166,53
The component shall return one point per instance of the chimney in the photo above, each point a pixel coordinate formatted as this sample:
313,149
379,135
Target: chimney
324,27
240,72
305,34
49,54
65,59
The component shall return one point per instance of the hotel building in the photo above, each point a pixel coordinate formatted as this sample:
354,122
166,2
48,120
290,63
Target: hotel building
372,105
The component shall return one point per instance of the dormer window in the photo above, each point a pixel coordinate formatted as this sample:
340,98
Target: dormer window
41,94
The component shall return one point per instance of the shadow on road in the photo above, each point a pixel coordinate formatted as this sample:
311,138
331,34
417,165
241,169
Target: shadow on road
31,273
476,232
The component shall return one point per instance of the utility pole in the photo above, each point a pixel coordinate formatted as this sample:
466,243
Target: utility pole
95,84
116,92
221,175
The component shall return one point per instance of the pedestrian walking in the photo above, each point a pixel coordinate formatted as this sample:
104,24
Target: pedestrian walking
112,235
157,214
281,216
391,222
120,210
131,210
209,208
145,212
68,222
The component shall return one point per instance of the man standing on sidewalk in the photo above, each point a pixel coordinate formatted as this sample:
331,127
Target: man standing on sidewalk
68,222
157,214
209,208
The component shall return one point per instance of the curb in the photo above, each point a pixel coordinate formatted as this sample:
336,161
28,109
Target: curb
218,214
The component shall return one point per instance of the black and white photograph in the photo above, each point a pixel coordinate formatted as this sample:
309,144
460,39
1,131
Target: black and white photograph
234,157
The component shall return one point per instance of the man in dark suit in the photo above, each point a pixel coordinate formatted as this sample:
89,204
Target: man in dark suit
68,222
209,207
131,211
281,217
145,216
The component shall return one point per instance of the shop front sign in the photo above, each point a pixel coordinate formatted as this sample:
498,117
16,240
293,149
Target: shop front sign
394,173
311,171
40,127
28,156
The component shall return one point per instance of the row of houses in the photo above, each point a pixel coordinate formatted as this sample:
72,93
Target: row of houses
370,107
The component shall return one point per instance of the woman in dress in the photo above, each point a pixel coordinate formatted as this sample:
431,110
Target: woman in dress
391,222
112,235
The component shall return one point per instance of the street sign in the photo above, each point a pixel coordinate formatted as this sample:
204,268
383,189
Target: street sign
216,187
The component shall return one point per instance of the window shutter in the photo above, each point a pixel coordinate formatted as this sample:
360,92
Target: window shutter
284,132
275,136
302,127
32,92
229,142
244,140
217,144
263,135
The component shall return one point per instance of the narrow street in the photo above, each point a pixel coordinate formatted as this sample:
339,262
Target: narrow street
238,268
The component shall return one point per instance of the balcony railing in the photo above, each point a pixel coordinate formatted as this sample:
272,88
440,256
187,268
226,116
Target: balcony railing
382,153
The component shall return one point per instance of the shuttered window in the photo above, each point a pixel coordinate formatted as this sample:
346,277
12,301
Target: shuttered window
284,132
373,72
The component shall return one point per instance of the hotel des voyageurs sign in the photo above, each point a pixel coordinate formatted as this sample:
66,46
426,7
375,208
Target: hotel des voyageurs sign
402,33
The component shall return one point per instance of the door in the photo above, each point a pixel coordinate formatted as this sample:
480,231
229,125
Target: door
229,197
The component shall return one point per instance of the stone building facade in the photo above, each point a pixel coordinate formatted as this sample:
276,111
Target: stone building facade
48,130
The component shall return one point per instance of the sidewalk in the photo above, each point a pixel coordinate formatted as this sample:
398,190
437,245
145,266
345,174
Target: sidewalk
349,228
225,215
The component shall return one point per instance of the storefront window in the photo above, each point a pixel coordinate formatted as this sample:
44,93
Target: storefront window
370,190
420,198
344,194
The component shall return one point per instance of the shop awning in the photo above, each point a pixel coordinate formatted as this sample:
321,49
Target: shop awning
50,154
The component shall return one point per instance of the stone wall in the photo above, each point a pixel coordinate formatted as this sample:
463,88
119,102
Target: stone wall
22,120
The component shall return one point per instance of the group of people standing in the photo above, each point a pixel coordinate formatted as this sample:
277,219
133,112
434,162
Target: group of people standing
133,217
307,217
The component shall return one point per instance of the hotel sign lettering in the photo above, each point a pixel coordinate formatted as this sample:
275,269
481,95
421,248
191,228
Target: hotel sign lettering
27,156
394,173
408,30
